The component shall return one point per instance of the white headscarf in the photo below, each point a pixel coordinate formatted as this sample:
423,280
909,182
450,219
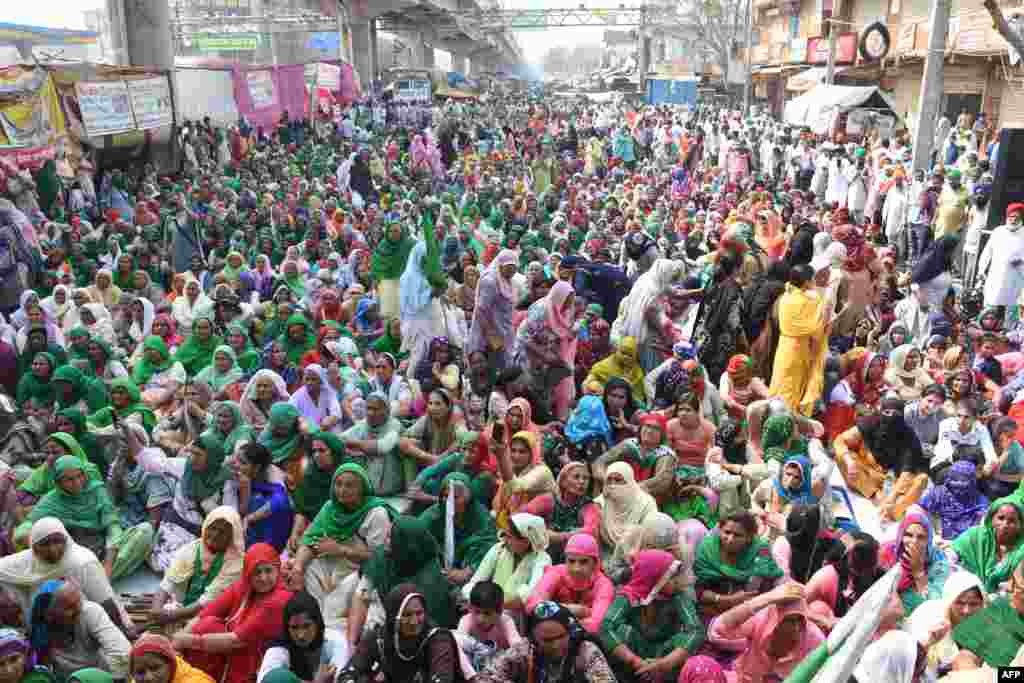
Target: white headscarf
651,285
623,506
890,659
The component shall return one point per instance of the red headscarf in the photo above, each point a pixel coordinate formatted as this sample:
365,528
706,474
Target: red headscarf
154,643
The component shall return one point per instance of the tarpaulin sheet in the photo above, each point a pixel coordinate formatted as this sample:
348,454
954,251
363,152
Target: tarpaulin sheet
815,108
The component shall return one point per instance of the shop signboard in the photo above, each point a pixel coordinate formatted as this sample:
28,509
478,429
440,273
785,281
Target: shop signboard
846,49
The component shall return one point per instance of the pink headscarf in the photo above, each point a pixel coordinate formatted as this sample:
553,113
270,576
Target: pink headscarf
561,321
702,669
648,569
585,545
506,257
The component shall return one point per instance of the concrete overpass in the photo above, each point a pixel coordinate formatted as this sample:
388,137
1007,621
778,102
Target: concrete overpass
430,24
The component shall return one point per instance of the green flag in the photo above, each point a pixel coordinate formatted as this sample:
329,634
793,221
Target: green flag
834,660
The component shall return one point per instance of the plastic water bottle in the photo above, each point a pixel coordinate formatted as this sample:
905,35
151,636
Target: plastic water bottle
888,486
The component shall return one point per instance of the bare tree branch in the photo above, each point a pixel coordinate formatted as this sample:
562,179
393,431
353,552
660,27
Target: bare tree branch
1003,27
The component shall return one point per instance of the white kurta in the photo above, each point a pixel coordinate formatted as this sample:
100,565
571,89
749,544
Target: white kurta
1005,281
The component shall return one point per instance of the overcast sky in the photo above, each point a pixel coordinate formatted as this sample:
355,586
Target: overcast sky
50,13
69,14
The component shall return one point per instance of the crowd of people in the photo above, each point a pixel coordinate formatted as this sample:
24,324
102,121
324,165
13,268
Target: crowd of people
542,392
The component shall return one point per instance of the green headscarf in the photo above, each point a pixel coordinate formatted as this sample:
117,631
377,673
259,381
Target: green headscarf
979,552
216,379
241,431
90,509
201,485
775,432
755,560
74,354
295,283
87,389
232,273
314,491
86,439
335,521
48,186
145,369
105,417
389,343
44,478
390,257
31,387
249,358
476,533
195,355
414,556
994,633
281,448
297,351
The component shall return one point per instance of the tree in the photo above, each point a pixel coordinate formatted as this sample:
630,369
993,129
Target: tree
716,27
1011,34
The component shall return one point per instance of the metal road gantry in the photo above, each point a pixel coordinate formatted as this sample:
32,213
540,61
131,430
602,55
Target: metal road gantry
527,19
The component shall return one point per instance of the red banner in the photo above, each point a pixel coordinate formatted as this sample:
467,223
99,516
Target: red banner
846,49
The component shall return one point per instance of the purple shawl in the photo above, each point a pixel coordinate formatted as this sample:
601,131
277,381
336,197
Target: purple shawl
957,501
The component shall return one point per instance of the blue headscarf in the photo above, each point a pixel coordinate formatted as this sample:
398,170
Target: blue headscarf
588,420
39,629
803,494
414,289
361,323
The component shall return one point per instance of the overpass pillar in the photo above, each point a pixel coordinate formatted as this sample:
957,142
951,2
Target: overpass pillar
460,64
362,53
147,26
423,54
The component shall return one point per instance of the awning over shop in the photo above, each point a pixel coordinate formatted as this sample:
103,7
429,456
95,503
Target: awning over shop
802,82
773,72
816,108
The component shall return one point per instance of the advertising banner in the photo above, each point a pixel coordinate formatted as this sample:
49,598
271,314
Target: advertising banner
106,107
151,102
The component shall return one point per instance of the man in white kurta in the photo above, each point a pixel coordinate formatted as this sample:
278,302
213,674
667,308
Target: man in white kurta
1003,260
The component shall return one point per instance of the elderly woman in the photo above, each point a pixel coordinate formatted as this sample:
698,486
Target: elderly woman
906,374
652,627
991,636
223,374
231,633
54,554
264,389
933,622
471,533
92,519
196,353
546,345
340,538
376,437
549,653
492,330
993,549
154,659
201,570
103,290
569,510
412,556
195,303
316,400
158,375
641,315
407,628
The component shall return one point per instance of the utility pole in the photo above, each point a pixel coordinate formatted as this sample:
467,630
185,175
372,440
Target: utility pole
748,81
644,52
833,45
931,86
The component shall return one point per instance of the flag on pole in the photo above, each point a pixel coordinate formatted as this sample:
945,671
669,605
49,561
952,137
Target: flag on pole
834,660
